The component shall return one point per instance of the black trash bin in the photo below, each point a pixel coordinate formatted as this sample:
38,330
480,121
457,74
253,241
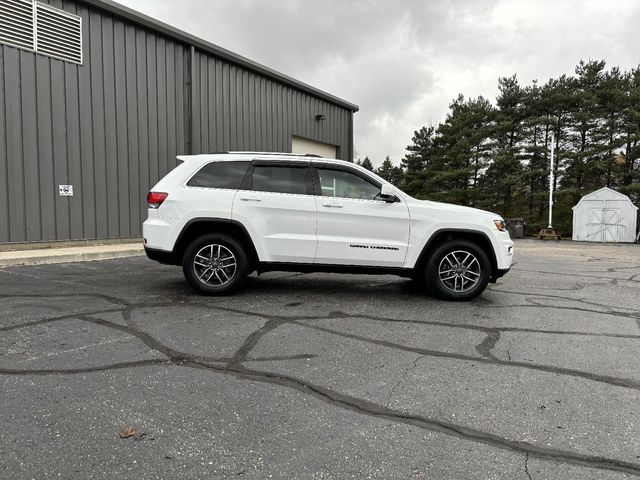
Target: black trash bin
515,227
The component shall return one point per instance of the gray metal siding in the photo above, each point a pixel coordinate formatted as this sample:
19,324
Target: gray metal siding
114,125
110,127
235,109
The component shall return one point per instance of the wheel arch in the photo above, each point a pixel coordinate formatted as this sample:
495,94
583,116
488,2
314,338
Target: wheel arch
447,234
197,227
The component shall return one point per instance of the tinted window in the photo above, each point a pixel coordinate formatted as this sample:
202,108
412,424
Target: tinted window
337,183
280,179
220,175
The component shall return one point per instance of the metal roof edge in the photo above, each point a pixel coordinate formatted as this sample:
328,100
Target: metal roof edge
166,29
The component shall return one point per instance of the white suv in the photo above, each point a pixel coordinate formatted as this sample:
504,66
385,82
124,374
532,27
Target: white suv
224,216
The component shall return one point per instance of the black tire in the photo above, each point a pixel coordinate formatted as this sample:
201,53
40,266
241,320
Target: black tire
440,261
224,278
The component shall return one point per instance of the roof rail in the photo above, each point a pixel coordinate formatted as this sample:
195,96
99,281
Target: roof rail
284,154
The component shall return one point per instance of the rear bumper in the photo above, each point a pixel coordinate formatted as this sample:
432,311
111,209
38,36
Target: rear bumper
162,256
161,233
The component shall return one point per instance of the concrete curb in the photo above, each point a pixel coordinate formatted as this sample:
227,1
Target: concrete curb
70,254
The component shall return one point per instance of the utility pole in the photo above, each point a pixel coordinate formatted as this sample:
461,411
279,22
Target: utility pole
550,232
551,184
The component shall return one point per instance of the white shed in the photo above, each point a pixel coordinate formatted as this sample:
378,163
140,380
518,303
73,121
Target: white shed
605,216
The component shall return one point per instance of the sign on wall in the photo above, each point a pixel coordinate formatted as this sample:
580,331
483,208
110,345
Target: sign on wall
66,190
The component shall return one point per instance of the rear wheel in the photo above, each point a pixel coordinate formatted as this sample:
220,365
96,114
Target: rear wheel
458,270
215,264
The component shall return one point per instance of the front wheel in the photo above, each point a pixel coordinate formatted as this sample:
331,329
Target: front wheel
458,270
215,264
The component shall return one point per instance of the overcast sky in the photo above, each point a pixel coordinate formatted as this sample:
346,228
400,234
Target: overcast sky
403,61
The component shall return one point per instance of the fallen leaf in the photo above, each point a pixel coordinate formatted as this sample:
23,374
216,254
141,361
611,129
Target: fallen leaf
128,432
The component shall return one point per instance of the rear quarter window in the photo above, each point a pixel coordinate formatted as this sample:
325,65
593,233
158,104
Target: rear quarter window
220,175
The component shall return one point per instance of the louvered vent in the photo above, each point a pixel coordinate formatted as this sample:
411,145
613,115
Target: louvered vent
16,23
58,33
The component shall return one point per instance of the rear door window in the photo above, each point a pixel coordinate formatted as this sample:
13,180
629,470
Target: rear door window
279,179
220,175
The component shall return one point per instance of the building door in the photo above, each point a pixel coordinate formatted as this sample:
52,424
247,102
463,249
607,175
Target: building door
304,146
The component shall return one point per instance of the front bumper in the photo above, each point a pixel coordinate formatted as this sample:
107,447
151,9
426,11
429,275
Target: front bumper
504,252
504,248
499,274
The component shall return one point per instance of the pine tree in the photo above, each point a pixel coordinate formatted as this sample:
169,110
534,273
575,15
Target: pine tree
390,172
416,162
502,183
497,157
366,163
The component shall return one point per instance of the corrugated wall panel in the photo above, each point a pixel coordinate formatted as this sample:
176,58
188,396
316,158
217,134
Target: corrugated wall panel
74,157
4,194
85,114
30,146
120,86
74,139
152,117
13,129
171,91
132,128
110,123
96,87
141,104
60,165
161,88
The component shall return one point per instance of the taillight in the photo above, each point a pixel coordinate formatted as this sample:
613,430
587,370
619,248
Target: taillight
155,199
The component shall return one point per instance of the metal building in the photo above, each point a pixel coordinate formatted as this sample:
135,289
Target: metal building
605,216
96,101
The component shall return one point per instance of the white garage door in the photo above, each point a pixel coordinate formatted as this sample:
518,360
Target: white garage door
304,146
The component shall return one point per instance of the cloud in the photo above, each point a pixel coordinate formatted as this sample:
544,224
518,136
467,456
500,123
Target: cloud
404,61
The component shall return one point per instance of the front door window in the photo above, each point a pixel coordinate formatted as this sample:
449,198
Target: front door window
341,184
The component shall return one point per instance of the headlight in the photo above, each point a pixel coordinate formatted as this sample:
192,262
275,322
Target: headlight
500,225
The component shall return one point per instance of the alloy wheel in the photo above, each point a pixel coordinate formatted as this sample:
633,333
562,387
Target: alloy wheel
214,265
459,271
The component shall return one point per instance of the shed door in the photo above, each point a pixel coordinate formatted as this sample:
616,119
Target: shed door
603,225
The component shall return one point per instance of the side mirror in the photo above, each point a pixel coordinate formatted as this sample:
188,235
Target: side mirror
387,193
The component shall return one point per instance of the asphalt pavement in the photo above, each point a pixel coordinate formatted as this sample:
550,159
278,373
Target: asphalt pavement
323,376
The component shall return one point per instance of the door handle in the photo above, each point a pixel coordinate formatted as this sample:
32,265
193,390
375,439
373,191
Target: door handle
332,205
250,199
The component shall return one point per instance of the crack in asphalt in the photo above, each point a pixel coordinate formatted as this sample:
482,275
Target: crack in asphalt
99,368
404,375
56,319
580,275
235,366
252,340
526,466
466,326
541,296
614,381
